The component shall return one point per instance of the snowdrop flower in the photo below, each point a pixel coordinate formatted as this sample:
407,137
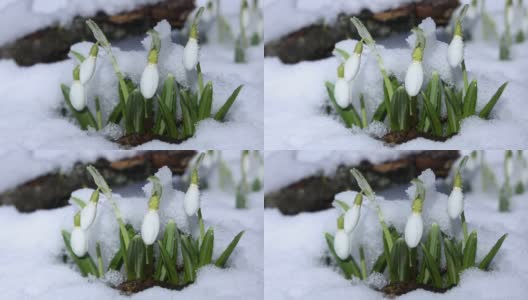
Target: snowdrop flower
191,50
353,62
191,201
245,162
88,65
352,215
508,164
150,76
414,77
78,240
151,222
341,240
455,51
455,201
244,15
89,211
342,88
510,13
414,226
77,92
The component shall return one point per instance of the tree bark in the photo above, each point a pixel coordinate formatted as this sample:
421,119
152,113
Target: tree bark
53,43
317,40
316,192
53,190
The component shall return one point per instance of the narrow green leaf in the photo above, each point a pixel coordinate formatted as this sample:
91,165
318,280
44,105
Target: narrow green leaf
470,101
78,201
484,264
188,268
343,53
78,55
364,122
221,261
205,102
380,264
168,119
452,270
136,259
470,251
206,250
433,267
433,116
168,264
363,263
381,113
117,260
100,267
342,204
222,112
485,113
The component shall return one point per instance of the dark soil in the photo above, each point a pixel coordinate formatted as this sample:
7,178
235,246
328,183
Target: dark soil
136,139
399,288
396,138
136,286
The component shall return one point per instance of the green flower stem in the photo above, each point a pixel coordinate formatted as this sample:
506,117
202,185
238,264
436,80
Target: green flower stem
465,77
464,227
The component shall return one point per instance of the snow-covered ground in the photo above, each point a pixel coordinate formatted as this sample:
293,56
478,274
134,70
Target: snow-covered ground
295,248
32,246
295,97
32,99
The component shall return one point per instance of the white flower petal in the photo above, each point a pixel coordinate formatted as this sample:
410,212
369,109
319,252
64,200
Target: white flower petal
342,92
455,203
77,95
414,230
190,54
150,227
87,69
352,66
455,51
341,244
79,242
149,81
414,78
191,201
88,215
352,218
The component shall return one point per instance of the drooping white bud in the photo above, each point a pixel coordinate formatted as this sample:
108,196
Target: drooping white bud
190,54
244,17
414,78
352,218
455,203
150,227
191,201
79,241
342,244
342,93
455,51
77,95
414,229
87,69
352,66
149,81
88,215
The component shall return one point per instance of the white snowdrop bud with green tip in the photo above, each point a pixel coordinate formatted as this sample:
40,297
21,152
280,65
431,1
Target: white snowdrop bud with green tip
455,201
150,76
151,222
89,211
414,226
191,201
341,240
191,50
78,239
88,65
353,63
342,88
244,14
508,164
414,76
455,51
77,92
352,215
245,162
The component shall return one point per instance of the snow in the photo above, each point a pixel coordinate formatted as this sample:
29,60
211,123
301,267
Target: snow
290,15
21,17
32,264
296,97
30,116
296,245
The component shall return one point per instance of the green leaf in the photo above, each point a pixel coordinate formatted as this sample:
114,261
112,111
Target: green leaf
400,110
484,264
348,266
169,245
470,101
100,267
485,113
470,251
381,113
188,122
343,53
86,264
455,253
453,122
435,245
363,263
222,112
349,115
452,270
135,112
189,273
380,264
221,261
168,264
204,108
117,260
78,55
399,262
206,250
169,119
364,122
98,114
433,116
136,259
433,267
